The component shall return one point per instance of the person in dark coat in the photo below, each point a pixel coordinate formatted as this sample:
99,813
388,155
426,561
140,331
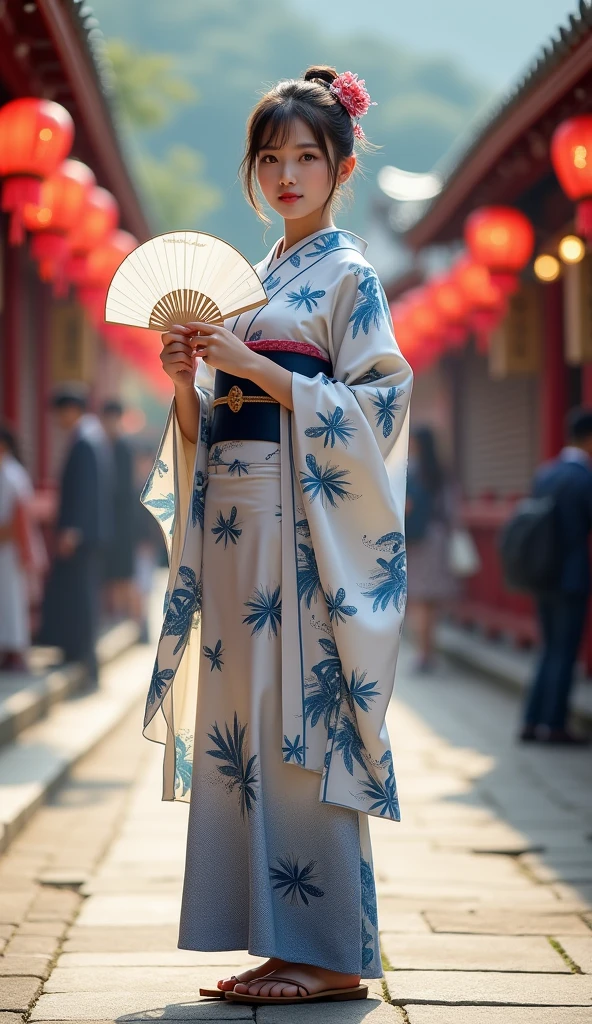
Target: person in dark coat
84,527
119,554
562,614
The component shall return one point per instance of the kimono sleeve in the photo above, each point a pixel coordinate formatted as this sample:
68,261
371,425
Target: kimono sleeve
349,447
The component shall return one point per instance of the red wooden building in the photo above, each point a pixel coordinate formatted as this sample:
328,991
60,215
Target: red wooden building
500,407
52,49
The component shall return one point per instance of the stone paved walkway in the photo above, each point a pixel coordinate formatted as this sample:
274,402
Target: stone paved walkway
485,889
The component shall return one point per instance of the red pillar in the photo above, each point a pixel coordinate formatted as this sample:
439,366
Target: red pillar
587,384
13,333
42,349
553,373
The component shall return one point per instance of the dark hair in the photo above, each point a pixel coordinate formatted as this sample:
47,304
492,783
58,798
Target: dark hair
430,466
75,393
579,424
112,407
8,438
309,99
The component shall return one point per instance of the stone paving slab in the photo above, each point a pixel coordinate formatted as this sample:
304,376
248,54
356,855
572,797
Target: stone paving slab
10,1018
14,905
505,922
32,966
526,895
137,909
529,954
368,1011
170,958
120,940
488,989
498,1015
133,979
17,994
579,949
124,1006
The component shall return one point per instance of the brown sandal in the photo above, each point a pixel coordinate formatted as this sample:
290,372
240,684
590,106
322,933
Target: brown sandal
219,993
329,995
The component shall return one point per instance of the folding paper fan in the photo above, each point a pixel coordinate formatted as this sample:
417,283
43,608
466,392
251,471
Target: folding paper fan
180,277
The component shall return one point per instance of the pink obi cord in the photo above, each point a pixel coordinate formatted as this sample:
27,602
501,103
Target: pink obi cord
281,345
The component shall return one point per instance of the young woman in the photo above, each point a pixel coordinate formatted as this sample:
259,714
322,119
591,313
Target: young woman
287,583
430,518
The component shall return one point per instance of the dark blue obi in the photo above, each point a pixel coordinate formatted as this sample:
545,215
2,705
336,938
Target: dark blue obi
240,420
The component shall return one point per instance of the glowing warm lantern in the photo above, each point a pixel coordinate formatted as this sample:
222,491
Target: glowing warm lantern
500,238
35,137
62,200
451,303
547,267
98,219
571,249
571,155
487,303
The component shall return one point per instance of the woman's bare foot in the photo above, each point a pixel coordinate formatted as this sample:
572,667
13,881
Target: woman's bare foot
228,984
307,981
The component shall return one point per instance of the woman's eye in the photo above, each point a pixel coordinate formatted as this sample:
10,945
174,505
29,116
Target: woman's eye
308,157
268,158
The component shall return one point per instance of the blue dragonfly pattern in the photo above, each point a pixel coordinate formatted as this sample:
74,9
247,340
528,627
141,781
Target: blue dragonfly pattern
384,794
183,763
165,507
159,468
349,743
158,683
295,260
272,282
360,693
324,244
367,948
227,529
357,269
327,481
338,611
266,610
370,308
296,882
386,406
239,771
198,499
390,583
184,602
238,466
214,655
256,336
305,297
335,427
309,583
326,687
369,907
293,750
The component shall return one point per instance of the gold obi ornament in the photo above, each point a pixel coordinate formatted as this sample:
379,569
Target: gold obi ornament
235,399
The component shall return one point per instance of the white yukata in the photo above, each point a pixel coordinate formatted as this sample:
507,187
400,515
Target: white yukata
286,597
15,488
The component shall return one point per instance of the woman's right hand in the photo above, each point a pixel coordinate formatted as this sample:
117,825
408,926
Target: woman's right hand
178,356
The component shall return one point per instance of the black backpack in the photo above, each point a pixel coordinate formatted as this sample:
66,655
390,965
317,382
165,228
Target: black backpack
529,547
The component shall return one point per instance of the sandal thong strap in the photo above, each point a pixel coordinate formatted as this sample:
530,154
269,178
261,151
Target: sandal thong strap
281,981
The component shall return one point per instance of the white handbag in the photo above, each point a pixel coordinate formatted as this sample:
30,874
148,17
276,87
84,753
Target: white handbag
463,557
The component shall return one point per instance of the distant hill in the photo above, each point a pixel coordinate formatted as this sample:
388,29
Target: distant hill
231,50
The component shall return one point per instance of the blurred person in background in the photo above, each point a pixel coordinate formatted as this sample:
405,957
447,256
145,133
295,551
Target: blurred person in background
149,547
119,553
21,555
562,613
84,527
429,521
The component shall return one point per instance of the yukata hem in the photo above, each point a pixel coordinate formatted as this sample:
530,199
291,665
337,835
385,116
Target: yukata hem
291,955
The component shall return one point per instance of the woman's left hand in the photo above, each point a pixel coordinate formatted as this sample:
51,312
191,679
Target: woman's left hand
221,349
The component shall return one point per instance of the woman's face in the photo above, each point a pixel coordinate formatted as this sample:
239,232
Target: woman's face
295,178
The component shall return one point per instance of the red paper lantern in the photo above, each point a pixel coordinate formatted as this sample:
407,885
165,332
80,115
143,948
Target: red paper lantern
452,305
62,200
571,156
500,238
97,220
35,137
487,303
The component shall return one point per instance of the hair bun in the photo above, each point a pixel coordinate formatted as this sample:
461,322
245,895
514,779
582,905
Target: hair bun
321,73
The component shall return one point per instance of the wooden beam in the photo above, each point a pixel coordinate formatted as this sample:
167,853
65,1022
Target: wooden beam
489,149
93,112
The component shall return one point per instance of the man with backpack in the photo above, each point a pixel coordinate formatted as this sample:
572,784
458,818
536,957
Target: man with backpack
563,490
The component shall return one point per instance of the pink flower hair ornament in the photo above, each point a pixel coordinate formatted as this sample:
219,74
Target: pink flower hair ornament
353,95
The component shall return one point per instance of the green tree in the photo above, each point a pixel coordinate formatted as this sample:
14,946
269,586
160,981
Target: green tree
147,93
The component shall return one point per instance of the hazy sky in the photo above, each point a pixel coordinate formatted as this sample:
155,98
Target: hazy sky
495,39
